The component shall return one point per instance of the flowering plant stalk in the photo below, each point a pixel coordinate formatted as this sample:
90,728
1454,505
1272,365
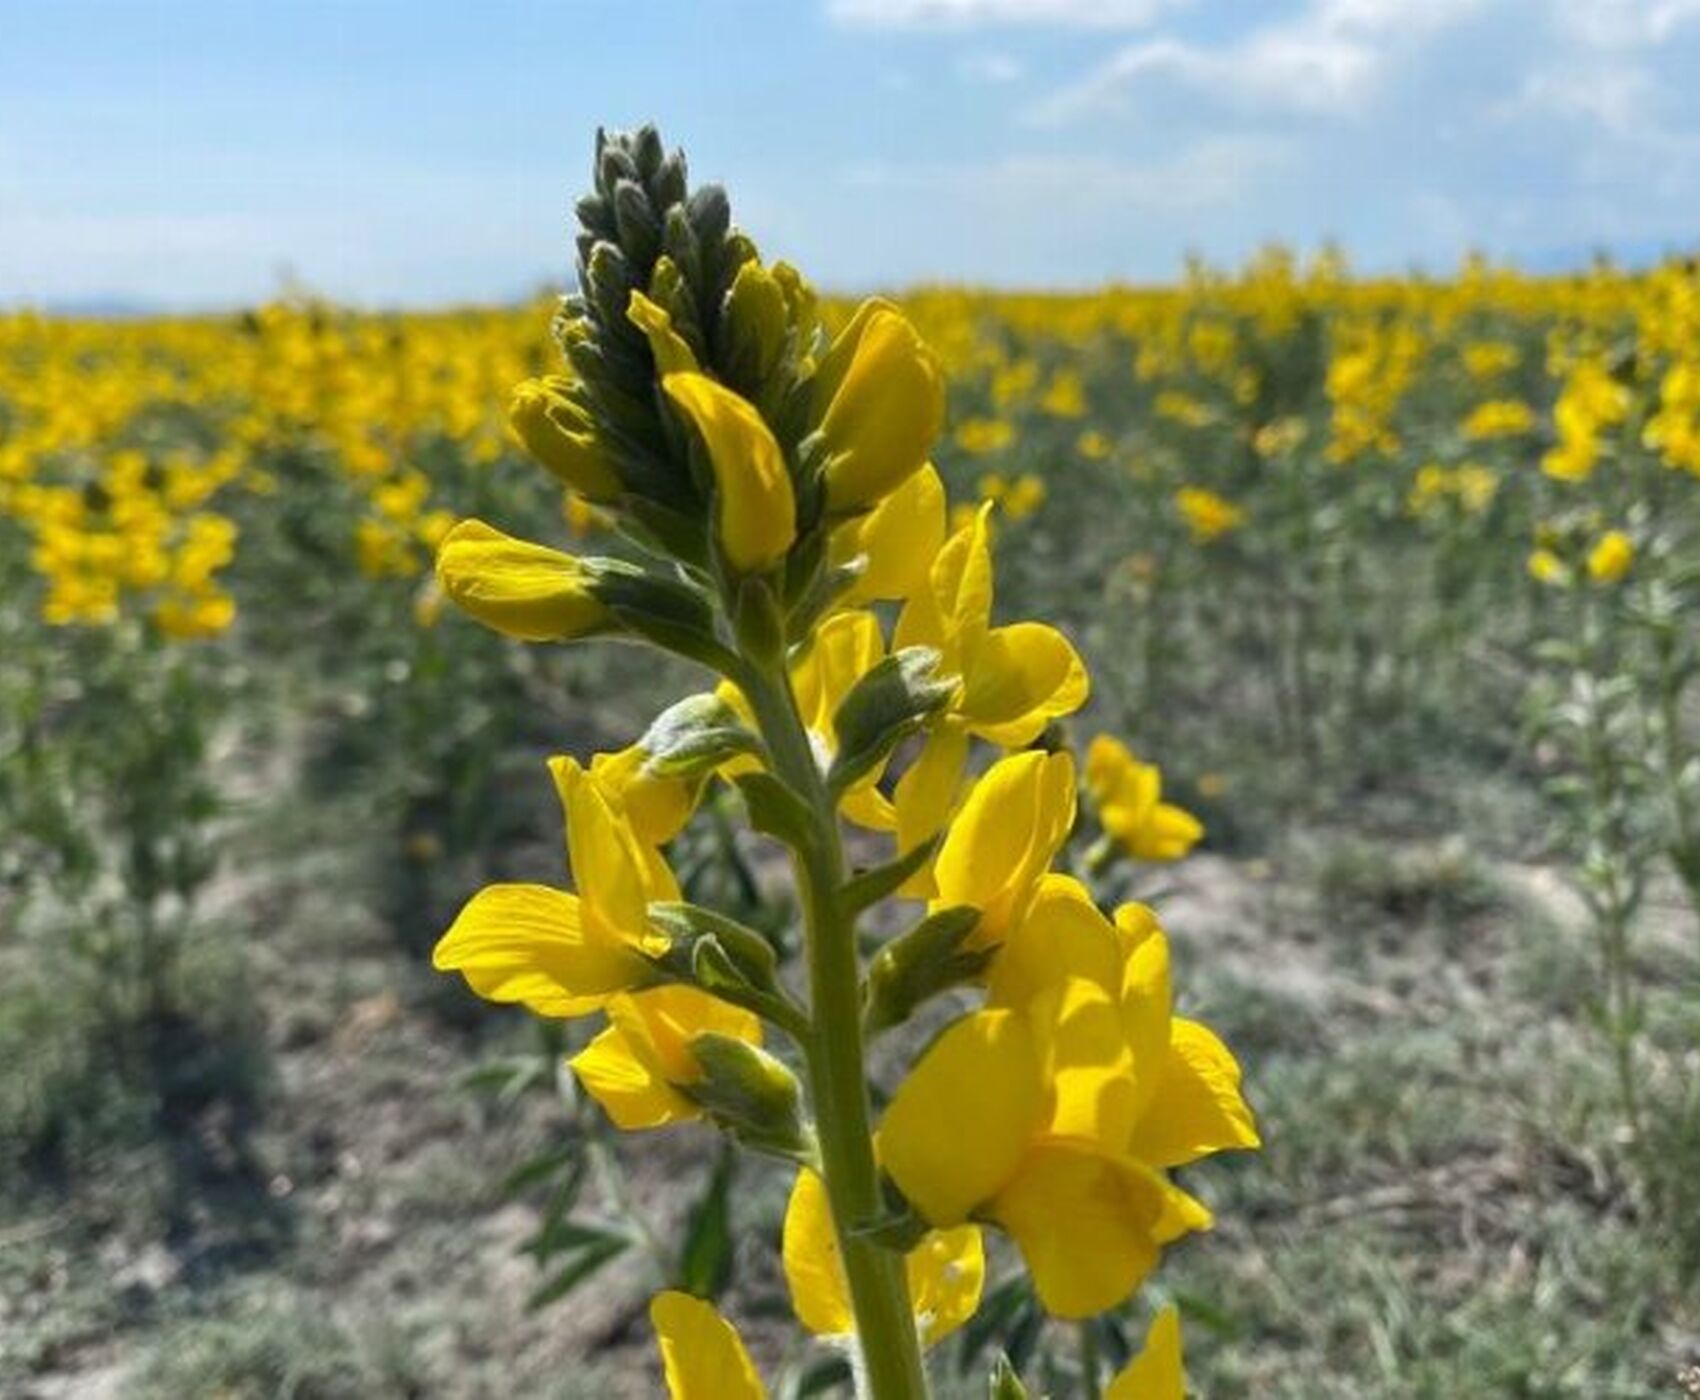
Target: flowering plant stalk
793,540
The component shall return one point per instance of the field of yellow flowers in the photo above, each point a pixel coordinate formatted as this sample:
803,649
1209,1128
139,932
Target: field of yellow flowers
1388,593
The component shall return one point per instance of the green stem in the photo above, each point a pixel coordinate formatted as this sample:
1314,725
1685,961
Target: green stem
1087,1333
879,1289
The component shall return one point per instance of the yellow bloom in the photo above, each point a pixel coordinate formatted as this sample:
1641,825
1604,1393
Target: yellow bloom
900,538
1499,418
845,648
561,954
1610,559
1546,567
1156,1372
881,396
946,1270
559,434
1128,796
701,1353
520,589
1017,678
1093,445
656,808
672,355
980,436
1003,840
1056,1110
756,509
1207,515
968,1132
637,1068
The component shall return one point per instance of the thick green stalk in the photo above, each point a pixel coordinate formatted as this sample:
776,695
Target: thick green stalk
879,1289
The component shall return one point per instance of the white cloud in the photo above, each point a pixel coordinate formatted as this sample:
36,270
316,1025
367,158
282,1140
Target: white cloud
1208,172
915,14
993,68
1330,57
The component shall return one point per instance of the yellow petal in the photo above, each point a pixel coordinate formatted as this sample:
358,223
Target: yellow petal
814,1269
672,354
636,1067
701,1353
1061,935
845,648
1088,1063
560,435
947,1274
926,795
619,1074
1197,1108
1019,680
946,1271
617,876
523,590
1147,999
884,412
530,944
1155,1373
757,511
1004,839
1090,1225
657,808
900,538
958,1125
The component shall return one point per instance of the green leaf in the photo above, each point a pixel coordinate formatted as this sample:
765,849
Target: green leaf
826,1374
536,1170
868,887
776,810
889,703
920,964
694,737
1003,1383
705,1259
585,1263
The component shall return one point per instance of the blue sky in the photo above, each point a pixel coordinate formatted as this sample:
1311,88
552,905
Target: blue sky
191,153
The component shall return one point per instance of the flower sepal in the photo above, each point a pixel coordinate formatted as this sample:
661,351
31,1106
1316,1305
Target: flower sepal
750,1095
918,965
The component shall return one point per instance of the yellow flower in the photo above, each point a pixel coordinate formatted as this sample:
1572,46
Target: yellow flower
637,1068
1499,418
980,436
967,1133
1092,445
899,538
1003,840
672,354
559,434
562,954
1546,567
946,1270
1207,515
1156,1372
1016,679
881,396
1055,1111
1128,796
1610,559
845,648
701,1353
756,509
520,589
656,808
